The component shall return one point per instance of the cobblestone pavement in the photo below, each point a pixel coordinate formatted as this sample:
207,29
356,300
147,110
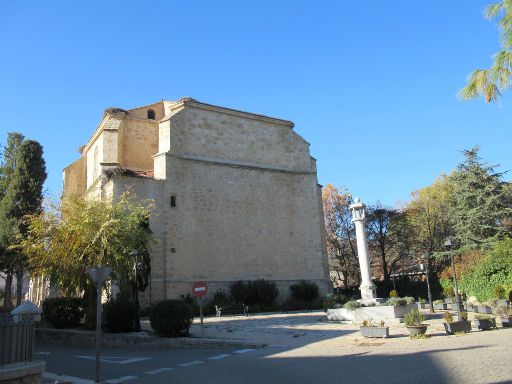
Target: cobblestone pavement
301,348
476,357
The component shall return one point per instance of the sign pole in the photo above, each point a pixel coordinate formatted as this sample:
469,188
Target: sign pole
98,275
201,314
98,330
199,289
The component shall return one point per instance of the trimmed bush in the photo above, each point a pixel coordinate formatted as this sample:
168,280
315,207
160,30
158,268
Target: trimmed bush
259,294
393,293
352,305
304,291
171,318
396,301
63,312
238,291
120,314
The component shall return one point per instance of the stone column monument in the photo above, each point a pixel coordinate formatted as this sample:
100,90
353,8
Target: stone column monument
368,289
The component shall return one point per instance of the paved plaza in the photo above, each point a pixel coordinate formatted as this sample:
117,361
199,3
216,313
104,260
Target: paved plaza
301,348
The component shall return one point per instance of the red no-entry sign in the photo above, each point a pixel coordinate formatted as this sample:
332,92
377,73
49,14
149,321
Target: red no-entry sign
199,288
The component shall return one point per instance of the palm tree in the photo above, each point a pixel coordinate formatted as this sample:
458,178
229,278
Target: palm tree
490,82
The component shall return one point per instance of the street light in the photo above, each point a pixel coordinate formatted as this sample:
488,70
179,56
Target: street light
448,245
136,266
426,262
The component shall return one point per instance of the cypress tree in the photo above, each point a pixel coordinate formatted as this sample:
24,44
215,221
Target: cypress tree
23,197
482,202
7,168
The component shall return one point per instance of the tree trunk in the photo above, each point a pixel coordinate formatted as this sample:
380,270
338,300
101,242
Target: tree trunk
8,291
90,306
19,287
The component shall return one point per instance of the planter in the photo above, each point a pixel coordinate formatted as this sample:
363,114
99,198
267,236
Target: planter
448,301
485,324
457,326
484,309
502,302
417,329
506,321
441,307
382,332
424,305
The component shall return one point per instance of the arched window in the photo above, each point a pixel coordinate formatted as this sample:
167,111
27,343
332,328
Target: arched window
151,114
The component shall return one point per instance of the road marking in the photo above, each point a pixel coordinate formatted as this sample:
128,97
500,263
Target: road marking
116,359
157,371
191,363
121,379
42,353
218,357
66,379
240,351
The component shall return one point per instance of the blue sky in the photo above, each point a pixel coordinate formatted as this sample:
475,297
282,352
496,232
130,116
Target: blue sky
371,85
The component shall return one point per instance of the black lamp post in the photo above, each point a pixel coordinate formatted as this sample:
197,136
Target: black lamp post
426,262
448,245
136,266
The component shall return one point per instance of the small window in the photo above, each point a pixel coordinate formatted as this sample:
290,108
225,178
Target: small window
173,201
151,114
173,250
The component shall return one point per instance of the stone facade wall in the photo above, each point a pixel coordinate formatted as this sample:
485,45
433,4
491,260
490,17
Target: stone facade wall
248,205
75,177
139,143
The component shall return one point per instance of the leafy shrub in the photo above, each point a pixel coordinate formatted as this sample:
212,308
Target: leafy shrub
409,300
238,291
120,314
500,292
437,302
304,291
259,294
352,305
448,317
63,312
262,292
464,315
413,318
171,318
393,293
494,269
396,301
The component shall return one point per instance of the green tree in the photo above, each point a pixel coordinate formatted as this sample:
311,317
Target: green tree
7,168
490,82
67,238
482,202
428,216
23,197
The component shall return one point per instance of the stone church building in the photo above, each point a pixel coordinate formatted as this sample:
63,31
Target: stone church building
236,194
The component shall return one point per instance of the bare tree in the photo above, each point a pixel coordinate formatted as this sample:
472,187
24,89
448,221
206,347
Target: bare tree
341,238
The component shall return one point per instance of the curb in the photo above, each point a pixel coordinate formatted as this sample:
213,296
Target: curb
77,338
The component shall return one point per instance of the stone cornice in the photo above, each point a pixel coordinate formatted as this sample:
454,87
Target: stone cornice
189,102
235,164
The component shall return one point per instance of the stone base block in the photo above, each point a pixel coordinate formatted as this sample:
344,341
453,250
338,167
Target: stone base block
22,373
388,313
